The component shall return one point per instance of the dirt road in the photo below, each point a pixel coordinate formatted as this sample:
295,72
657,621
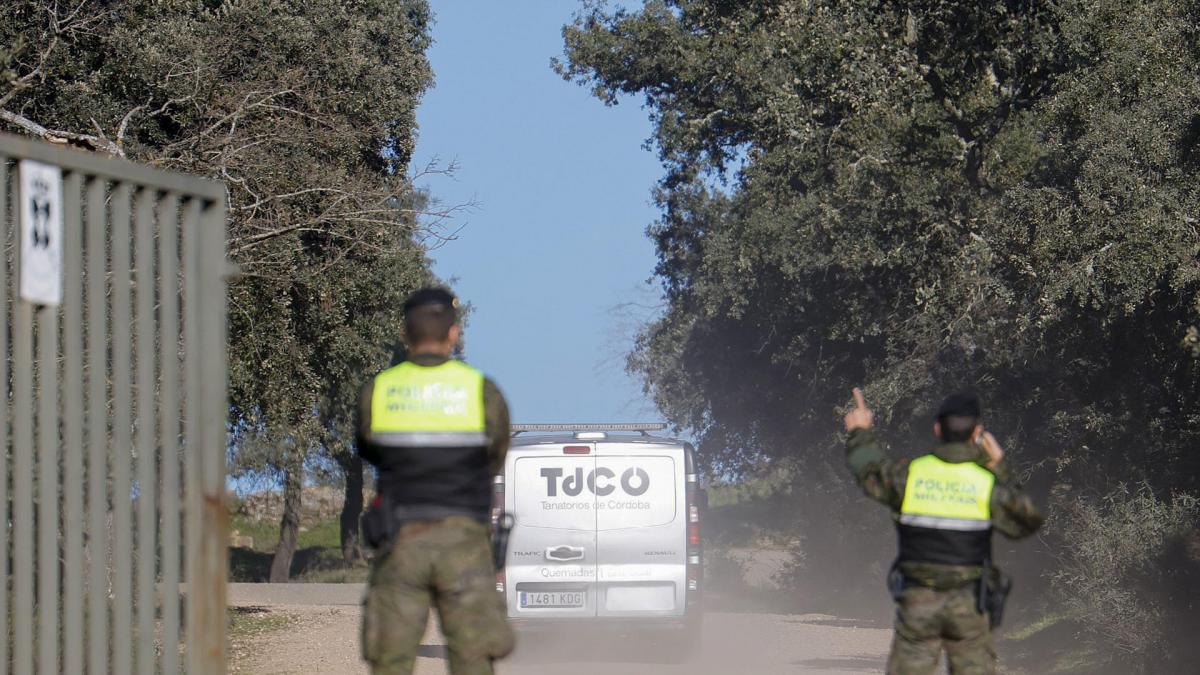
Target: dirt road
322,637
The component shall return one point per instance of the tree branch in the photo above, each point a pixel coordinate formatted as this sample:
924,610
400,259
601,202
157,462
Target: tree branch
88,141
125,123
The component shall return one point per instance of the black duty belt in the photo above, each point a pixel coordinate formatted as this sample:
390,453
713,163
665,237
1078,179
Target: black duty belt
411,513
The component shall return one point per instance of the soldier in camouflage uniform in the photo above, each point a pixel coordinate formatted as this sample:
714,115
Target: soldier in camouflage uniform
946,505
437,431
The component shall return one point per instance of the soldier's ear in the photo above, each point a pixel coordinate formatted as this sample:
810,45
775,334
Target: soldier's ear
937,430
976,433
455,335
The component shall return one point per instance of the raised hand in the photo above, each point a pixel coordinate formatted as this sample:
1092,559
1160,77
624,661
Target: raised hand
992,447
860,416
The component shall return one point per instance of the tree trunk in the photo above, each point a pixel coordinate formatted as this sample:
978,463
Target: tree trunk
289,526
352,508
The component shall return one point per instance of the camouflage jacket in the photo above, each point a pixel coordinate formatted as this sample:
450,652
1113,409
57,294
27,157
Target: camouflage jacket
883,479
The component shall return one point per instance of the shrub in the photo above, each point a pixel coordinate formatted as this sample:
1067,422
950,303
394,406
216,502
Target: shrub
1128,568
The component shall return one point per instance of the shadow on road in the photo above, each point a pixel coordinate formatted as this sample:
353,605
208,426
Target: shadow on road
863,664
826,620
249,610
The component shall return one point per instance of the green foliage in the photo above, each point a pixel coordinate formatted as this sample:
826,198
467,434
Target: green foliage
1128,570
748,490
322,534
249,622
318,556
307,111
920,197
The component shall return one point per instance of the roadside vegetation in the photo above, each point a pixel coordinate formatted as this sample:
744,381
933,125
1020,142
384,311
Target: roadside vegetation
307,111
249,622
254,538
925,197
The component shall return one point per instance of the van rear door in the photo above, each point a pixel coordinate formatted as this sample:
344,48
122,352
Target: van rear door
641,530
551,570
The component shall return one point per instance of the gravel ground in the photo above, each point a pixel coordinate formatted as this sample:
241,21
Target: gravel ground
322,637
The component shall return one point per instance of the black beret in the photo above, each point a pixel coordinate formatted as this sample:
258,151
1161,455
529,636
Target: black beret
960,405
426,297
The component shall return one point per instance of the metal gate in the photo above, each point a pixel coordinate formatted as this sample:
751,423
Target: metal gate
113,419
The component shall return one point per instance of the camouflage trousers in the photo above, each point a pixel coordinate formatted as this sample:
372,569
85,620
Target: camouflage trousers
448,564
929,620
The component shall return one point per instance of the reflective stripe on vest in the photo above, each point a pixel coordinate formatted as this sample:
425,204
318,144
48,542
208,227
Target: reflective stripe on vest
435,406
942,495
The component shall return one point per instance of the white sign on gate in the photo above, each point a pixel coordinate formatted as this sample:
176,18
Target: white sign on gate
41,233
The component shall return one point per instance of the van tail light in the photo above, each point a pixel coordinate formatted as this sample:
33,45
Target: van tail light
693,511
497,500
577,449
695,552
497,514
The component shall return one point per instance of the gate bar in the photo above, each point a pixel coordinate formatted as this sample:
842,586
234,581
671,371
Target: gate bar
73,523
47,422
22,452
191,418
97,429
7,236
122,417
169,366
147,427
212,564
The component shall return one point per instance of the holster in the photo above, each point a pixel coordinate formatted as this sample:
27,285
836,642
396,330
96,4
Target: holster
993,589
379,523
895,581
999,585
983,588
500,532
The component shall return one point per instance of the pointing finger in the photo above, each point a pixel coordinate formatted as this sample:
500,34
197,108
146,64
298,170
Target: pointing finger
859,402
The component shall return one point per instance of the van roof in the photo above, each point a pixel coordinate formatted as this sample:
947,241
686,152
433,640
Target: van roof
526,441
538,434
642,427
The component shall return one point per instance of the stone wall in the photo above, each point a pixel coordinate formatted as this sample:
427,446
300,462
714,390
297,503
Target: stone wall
317,504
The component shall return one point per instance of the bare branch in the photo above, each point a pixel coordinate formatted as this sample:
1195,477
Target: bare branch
88,141
125,123
287,195
24,82
123,127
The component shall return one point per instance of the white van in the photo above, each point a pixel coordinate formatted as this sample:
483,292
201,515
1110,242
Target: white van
606,529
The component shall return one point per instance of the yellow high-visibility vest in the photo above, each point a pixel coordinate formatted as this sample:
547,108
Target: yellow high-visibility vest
947,496
434,406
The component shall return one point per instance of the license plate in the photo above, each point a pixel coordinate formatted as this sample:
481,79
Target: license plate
551,599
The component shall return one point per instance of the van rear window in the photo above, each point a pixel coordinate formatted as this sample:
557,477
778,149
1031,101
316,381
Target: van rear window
639,491
552,491
607,492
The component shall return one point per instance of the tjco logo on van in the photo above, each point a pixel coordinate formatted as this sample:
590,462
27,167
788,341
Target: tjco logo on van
634,482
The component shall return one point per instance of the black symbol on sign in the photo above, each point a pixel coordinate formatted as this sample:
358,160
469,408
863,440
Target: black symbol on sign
40,203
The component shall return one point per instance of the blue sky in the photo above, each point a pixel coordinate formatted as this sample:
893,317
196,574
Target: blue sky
553,257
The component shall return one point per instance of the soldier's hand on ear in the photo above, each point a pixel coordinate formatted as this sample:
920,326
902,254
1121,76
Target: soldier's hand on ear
860,416
992,447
